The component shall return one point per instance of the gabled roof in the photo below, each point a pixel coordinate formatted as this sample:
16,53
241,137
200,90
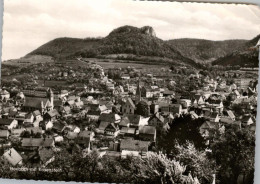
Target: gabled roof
102,108
57,103
107,117
130,102
158,116
85,133
36,113
209,125
28,116
72,135
147,130
5,121
144,102
246,118
214,115
93,113
103,125
12,156
37,142
207,113
34,129
231,114
35,102
226,120
53,113
194,114
66,109
4,133
133,119
58,126
17,131
127,130
197,97
134,145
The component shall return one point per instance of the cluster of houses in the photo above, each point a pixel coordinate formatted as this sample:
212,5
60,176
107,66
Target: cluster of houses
37,122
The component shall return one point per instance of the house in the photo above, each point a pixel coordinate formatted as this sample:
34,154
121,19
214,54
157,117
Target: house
125,77
111,118
214,117
12,114
156,120
8,123
34,130
51,115
128,132
57,104
130,120
35,143
146,92
64,93
86,133
71,135
29,118
186,103
194,115
133,147
231,114
13,157
128,107
108,127
247,120
206,127
175,109
147,133
17,132
37,115
198,100
58,127
5,95
93,115
98,108
154,108
4,134
84,139
168,93
65,110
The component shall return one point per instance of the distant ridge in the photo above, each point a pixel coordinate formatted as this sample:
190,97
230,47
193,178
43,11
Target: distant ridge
143,42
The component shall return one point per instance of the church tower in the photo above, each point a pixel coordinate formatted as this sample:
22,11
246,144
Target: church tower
50,96
138,93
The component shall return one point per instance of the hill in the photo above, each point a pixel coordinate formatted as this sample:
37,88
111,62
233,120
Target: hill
64,47
137,41
129,40
202,51
245,55
123,40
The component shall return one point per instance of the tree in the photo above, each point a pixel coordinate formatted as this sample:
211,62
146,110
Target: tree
197,162
143,109
182,129
234,152
157,168
26,134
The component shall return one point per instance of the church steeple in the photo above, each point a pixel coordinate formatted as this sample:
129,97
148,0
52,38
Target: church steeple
50,96
138,93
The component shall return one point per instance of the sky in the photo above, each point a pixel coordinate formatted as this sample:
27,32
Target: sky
29,24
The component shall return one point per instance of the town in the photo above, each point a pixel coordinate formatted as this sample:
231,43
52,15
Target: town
118,111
